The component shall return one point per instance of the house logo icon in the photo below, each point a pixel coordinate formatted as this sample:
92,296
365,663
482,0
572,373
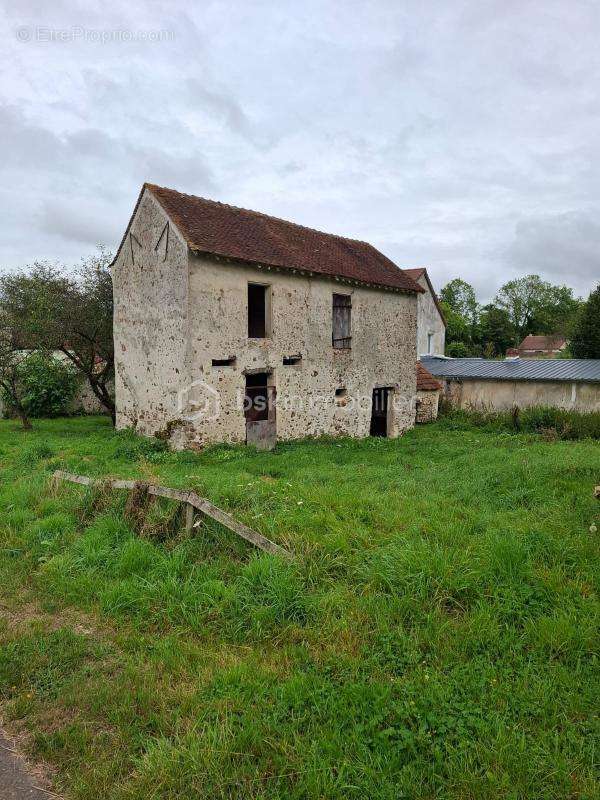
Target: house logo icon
198,401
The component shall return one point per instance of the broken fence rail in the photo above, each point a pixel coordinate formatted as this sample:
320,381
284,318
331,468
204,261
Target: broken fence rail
193,503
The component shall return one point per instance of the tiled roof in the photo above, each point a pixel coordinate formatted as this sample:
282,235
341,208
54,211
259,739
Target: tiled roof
249,236
542,342
415,274
517,369
425,380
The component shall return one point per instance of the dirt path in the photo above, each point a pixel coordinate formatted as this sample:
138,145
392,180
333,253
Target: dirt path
17,780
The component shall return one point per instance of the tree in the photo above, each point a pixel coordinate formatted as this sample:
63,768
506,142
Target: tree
536,306
496,332
457,350
11,357
586,335
457,329
460,297
558,313
48,385
73,315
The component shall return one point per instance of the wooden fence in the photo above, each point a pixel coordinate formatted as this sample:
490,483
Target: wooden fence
193,503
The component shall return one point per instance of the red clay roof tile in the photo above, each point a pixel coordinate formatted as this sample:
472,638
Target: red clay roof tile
249,236
425,380
547,343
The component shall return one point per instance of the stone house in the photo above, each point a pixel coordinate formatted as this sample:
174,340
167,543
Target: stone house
431,325
233,326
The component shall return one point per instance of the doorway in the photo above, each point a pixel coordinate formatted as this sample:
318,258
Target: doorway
379,411
260,411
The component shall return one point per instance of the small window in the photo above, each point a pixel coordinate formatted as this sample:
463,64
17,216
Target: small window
342,309
290,361
340,395
223,362
429,343
258,298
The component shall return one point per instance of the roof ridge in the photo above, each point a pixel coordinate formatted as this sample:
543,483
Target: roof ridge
152,186
253,237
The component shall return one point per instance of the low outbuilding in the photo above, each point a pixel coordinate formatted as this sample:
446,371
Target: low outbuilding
428,395
485,385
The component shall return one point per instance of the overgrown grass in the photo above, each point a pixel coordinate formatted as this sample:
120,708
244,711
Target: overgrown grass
435,636
553,423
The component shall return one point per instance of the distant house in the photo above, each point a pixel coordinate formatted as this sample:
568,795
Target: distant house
539,347
487,385
234,326
431,325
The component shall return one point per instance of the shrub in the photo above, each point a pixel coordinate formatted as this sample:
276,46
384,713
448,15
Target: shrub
48,386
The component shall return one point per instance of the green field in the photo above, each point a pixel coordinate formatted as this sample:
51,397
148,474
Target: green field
435,636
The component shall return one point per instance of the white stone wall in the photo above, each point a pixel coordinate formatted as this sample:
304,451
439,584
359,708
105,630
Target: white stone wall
86,402
427,406
172,319
151,321
429,321
486,395
382,352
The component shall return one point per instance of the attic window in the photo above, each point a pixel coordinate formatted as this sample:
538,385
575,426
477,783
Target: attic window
223,362
341,321
290,361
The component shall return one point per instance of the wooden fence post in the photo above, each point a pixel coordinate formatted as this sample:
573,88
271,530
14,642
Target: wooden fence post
189,517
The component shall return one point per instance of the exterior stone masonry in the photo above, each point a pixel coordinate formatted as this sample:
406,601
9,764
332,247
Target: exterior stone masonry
427,407
176,313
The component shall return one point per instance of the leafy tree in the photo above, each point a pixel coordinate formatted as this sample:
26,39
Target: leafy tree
559,312
11,357
536,306
495,331
586,335
457,328
73,315
459,296
457,350
47,384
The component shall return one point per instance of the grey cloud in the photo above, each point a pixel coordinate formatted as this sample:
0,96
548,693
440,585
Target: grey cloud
219,103
82,220
463,136
27,144
565,247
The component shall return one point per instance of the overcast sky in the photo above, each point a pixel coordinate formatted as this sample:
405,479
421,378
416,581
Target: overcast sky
461,136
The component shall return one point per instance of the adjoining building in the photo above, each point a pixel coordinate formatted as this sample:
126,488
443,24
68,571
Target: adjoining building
428,395
234,326
475,383
431,325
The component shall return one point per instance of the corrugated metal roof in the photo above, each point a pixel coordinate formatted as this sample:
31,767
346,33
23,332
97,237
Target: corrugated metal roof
519,369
